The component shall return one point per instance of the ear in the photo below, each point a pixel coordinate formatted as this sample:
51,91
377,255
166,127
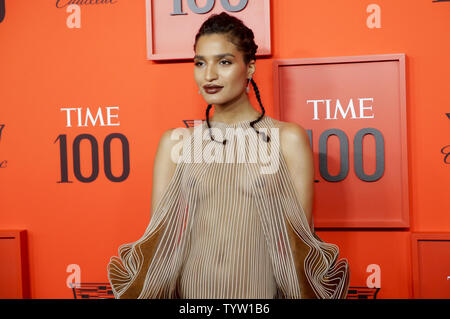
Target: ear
251,68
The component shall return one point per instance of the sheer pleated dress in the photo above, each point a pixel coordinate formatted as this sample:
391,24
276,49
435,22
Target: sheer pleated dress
229,225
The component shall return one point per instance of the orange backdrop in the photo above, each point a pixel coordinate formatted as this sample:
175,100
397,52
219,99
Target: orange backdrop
46,66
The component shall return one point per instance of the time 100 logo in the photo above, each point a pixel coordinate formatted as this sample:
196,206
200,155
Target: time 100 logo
178,10
64,163
344,154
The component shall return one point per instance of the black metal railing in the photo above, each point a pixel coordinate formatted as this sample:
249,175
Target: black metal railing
104,291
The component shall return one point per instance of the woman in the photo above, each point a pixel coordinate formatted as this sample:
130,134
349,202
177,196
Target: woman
231,228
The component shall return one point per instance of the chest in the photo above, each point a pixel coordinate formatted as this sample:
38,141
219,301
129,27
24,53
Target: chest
228,181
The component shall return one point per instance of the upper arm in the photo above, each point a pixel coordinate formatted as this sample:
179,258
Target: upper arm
163,167
298,155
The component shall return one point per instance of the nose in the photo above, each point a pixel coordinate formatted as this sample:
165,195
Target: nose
211,73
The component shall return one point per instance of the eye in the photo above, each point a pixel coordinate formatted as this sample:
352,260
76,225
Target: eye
227,62
198,63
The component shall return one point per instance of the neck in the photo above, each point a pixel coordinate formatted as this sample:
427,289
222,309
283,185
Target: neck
234,111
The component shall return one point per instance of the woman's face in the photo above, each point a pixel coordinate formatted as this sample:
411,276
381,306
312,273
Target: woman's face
218,62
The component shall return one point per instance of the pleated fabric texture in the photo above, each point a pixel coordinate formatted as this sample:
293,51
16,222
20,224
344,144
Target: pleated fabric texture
230,228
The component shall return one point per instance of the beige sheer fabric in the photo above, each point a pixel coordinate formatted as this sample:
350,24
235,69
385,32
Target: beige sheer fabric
229,230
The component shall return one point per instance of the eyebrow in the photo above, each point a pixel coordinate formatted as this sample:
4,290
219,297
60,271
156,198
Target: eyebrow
218,56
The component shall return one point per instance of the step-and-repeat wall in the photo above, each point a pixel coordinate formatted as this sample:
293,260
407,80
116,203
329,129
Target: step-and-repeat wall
87,88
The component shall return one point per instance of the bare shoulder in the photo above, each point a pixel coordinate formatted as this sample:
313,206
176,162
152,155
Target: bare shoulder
293,137
172,136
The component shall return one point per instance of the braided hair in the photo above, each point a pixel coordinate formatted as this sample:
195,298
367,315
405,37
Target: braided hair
243,38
